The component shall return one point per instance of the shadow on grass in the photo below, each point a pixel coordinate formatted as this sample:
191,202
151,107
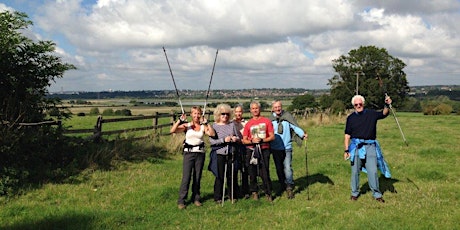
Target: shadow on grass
68,221
386,185
304,182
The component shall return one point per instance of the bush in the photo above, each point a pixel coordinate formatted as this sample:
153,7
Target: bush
337,107
123,112
94,111
108,112
81,114
444,109
441,109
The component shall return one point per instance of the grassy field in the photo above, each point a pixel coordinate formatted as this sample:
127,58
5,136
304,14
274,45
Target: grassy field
142,193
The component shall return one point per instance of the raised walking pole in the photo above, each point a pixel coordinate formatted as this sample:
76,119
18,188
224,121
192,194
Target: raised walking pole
391,109
209,87
177,91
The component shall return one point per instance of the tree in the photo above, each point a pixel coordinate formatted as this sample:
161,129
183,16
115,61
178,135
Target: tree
303,101
376,73
27,69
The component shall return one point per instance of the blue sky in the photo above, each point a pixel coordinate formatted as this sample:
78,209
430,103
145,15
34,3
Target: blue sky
117,44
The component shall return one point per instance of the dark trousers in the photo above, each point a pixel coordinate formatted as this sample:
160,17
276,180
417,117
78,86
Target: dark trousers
222,161
278,158
243,168
261,169
192,167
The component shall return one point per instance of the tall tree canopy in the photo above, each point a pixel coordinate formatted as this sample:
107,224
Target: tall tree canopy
27,69
376,73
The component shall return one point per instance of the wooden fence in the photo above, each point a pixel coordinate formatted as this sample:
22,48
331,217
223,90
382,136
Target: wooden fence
97,132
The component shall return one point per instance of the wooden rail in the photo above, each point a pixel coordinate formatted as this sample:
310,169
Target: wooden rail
97,132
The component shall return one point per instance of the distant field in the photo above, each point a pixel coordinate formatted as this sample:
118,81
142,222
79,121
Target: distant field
117,104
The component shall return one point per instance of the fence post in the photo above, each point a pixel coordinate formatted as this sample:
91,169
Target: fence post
155,123
97,135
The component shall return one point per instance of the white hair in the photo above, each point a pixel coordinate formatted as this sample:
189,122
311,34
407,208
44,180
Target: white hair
357,97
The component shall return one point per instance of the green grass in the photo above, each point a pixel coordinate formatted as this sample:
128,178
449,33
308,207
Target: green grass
142,194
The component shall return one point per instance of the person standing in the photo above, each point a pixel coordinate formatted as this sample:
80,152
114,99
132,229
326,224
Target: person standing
286,129
223,151
257,134
193,154
240,122
362,148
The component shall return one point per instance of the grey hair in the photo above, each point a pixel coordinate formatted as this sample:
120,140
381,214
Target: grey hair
255,103
239,106
357,97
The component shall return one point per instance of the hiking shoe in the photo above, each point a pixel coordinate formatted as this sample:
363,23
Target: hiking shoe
380,199
290,194
197,203
181,206
255,196
354,198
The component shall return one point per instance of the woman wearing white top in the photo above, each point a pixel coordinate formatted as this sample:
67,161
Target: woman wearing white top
194,154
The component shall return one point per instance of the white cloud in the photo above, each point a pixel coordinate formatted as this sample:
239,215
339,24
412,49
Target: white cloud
118,44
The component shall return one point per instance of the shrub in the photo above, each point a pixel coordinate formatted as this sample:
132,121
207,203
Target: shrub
444,109
108,112
441,109
94,111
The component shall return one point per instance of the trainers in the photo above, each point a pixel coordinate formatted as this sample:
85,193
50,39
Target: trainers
197,203
181,206
290,194
380,199
255,196
353,198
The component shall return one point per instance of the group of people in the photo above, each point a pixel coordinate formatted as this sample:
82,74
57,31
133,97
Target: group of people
241,148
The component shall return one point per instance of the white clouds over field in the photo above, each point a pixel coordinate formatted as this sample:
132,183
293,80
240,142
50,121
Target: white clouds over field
117,44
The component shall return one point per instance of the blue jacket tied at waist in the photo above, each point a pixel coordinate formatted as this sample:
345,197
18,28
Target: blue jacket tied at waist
358,144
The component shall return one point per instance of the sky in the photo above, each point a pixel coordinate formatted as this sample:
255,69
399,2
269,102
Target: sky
118,44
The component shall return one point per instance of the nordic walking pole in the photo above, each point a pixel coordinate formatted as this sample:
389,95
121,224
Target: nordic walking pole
225,177
177,91
391,109
233,168
210,80
306,168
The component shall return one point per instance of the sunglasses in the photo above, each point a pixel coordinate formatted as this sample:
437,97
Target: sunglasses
358,104
225,114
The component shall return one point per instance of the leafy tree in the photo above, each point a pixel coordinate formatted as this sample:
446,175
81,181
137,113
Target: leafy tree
27,70
325,101
303,101
337,107
376,72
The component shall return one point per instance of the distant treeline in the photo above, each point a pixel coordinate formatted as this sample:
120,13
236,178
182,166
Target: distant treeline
420,92
451,94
